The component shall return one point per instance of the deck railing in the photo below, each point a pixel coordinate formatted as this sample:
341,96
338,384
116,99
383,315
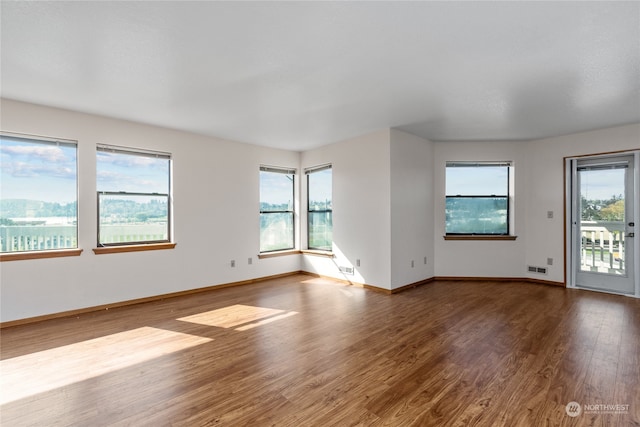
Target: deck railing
602,248
22,238
19,238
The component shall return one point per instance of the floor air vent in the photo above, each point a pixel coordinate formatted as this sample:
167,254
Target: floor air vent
346,270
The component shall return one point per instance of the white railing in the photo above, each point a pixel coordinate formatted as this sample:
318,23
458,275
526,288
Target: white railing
122,233
19,238
22,238
602,248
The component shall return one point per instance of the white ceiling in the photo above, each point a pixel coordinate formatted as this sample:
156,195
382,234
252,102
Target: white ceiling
298,75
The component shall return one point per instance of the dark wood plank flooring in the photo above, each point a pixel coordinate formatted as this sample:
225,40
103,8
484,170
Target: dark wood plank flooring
303,351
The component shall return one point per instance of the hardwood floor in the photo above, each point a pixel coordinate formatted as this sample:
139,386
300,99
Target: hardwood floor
303,351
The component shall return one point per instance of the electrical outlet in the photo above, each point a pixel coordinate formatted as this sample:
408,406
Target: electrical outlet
412,263
549,214
250,261
233,263
549,261
425,260
358,263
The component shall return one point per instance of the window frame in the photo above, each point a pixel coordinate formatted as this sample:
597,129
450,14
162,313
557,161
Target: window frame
308,172
142,153
508,235
48,252
285,171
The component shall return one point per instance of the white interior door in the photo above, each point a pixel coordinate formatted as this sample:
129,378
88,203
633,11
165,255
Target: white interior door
603,224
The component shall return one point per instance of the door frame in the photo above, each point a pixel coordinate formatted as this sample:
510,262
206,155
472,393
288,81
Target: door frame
569,177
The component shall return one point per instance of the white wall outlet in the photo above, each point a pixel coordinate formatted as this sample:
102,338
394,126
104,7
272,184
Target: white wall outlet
233,263
358,263
412,263
249,260
549,261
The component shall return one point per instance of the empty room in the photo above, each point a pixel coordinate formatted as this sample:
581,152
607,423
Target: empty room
319,213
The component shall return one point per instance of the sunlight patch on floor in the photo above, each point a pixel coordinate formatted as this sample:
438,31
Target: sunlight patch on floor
265,321
241,317
47,370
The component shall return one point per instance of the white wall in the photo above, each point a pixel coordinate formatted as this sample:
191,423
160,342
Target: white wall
216,202
480,258
383,215
411,209
539,188
545,175
361,209
388,200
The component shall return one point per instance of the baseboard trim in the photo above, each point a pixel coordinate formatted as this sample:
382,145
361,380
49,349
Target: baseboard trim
412,285
545,282
76,312
343,281
348,282
500,279
371,287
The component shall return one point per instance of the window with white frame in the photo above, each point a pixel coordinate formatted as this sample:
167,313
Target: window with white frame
134,201
38,194
276,209
319,208
477,198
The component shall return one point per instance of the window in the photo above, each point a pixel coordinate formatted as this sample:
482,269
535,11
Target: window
319,208
276,209
134,205
477,198
38,194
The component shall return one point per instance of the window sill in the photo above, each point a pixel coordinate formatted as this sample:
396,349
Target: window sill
133,248
17,256
279,253
478,237
314,252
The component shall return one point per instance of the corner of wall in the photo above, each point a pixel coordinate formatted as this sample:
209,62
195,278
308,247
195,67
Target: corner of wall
411,208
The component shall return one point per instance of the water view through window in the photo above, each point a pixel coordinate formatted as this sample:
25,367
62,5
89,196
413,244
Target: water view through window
602,220
133,196
276,209
477,199
320,209
38,194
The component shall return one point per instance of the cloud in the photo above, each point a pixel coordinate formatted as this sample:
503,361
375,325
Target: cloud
602,184
34,170
37,161
131,161
118,181
110,176
45,153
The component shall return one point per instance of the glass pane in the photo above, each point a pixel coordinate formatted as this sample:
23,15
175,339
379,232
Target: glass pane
276,191
132,173
38,196
477,181
276,231
477,215
320,230
320,190
602,225
127,218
